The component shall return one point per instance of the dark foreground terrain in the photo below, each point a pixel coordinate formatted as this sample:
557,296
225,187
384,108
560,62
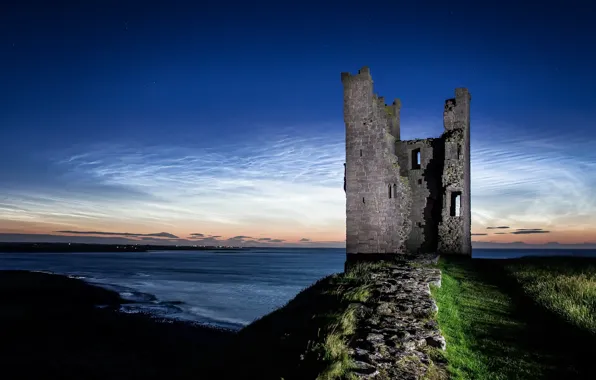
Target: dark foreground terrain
51,329
502,319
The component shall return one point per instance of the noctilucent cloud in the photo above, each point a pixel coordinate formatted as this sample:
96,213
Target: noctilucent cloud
214,123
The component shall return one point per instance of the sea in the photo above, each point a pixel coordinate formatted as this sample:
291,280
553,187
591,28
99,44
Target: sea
226,289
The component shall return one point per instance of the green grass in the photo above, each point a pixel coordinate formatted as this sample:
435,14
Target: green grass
565,287
497,318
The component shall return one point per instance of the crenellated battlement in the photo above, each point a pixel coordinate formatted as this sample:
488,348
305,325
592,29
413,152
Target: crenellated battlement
363,74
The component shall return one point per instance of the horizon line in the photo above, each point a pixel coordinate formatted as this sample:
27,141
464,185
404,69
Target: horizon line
528,246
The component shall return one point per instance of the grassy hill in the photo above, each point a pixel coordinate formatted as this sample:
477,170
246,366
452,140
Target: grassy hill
530,318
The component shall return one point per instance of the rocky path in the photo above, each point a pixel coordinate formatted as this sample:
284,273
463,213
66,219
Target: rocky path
397,332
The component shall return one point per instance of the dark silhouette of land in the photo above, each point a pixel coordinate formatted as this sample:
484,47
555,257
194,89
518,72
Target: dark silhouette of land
81,247
51,328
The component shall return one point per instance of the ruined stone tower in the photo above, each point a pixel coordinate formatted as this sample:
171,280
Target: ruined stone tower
378,199
404,196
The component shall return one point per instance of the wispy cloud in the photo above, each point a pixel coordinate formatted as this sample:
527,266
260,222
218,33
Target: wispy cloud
289,185
526,231
278,185
520,180
296,180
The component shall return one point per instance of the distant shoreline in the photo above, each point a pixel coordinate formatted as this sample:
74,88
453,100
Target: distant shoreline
81,247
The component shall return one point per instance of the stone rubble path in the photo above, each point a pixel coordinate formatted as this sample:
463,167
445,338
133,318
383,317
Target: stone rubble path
396,326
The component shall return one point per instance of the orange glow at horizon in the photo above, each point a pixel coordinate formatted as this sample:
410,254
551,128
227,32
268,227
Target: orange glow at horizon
558,236
292,235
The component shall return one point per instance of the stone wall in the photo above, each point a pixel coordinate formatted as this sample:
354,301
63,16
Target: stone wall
454,229
377,199
397,330
425,183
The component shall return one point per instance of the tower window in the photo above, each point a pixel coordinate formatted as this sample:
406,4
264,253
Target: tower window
458,151
455,209
394,190
419,181
389,191
416,159
360,152
362,199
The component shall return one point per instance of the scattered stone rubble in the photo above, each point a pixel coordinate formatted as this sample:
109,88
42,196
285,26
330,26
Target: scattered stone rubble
396,327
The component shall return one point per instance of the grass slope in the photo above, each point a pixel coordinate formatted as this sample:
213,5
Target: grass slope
566,287
307,338
502,319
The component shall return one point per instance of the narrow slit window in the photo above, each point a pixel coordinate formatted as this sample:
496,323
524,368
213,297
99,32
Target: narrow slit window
360,152
420,181
394,190
458,151
389,191
455,203
362,199
416,159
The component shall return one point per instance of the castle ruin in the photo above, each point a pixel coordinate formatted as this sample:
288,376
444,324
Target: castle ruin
410,196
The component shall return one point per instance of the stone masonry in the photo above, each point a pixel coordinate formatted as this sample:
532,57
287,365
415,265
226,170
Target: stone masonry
397,328
404,196
378,198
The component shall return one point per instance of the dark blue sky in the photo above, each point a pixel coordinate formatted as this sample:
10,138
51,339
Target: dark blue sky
146,75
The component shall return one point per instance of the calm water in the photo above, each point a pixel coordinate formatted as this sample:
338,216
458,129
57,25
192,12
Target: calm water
227,289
